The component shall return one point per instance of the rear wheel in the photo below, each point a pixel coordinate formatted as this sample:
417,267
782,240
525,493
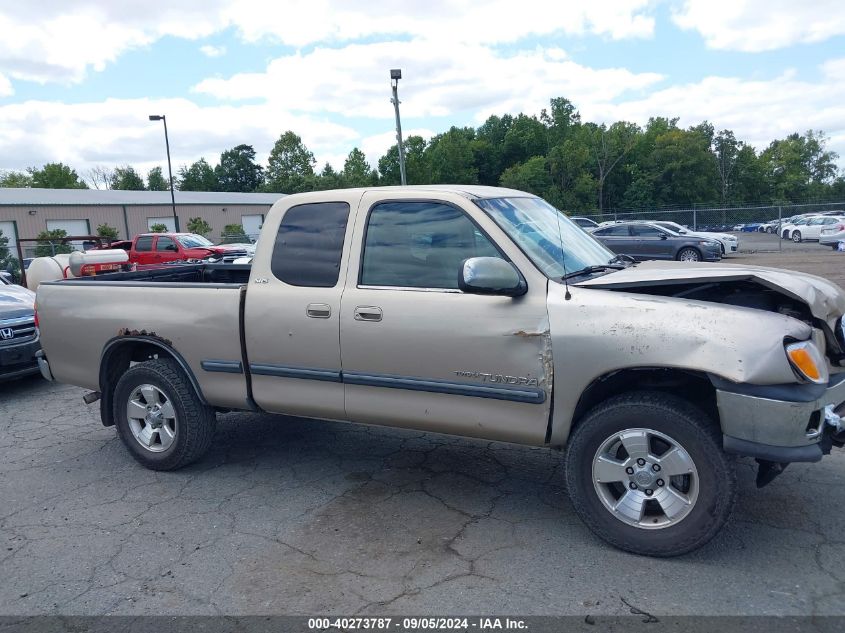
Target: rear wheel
796,237
646,473
159,416
689,254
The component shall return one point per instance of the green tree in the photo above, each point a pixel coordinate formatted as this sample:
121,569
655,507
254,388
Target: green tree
290,168
49,243
199,226
682,167
198,177
525,138
417,166
127,179
238,170
328,178
15,179
799,166
532,176
726,154
158,228
156,180
450,157
488,148
56,176
108,231
234,234
609,145
357,171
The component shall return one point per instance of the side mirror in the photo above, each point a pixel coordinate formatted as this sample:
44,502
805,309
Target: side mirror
491,276
663,236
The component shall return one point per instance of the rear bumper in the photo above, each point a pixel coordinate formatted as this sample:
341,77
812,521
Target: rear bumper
780,423
43,365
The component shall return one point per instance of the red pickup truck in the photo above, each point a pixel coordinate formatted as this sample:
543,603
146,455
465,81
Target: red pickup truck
158,248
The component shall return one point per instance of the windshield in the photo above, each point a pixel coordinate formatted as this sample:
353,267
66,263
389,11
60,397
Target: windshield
539,230
193,241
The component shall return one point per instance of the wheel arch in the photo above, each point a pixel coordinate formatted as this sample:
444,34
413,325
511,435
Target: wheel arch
689,248
118,355
692,386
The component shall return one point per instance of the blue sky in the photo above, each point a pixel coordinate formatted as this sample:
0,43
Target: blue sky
77,80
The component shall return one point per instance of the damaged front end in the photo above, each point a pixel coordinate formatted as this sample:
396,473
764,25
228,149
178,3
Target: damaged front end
777,421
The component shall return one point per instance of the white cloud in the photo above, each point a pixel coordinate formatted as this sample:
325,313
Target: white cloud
212,51
117,132
757,111
437,80
761,25
59,41
6,89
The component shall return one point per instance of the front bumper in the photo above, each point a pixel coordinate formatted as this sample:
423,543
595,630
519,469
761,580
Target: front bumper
778,423
17,361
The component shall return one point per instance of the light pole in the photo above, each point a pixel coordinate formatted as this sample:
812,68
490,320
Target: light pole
395,76
163,119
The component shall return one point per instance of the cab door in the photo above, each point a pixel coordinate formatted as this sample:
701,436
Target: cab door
420,353
292,312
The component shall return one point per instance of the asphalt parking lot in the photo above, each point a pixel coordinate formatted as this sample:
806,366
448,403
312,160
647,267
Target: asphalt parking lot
291,516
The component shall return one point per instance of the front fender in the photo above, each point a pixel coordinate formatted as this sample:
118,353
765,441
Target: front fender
598,332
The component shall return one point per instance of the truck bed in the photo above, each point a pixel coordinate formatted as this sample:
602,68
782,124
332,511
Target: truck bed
192,308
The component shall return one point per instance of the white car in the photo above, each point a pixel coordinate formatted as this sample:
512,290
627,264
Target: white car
730,243
808,228
832,234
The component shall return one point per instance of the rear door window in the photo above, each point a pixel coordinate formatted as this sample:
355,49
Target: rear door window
309,244
144,243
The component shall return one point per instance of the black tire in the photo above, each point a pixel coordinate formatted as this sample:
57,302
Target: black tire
796,237
194,422
689,427
694,255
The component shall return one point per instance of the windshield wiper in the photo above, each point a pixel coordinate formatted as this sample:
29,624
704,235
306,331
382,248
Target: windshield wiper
593,269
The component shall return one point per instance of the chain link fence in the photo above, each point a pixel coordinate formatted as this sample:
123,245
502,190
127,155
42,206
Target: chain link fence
759,228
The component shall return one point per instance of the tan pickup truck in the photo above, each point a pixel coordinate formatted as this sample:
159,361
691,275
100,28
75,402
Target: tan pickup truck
480,312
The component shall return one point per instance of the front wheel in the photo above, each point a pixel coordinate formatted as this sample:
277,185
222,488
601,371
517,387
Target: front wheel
689,255
646,472
796,237
159,416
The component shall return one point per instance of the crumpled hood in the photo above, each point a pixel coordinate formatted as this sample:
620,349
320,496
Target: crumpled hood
825,299
16,301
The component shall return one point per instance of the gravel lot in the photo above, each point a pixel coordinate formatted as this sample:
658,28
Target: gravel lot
295,516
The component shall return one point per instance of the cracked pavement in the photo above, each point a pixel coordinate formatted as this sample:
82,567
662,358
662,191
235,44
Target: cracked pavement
293,516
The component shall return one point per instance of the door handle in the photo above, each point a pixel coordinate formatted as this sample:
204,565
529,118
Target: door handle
318,310
368,313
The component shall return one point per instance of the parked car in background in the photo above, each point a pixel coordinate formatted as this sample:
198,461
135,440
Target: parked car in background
161,248
832,234
585,223
812,230
730,243
18,334
647,240
769,227
788,226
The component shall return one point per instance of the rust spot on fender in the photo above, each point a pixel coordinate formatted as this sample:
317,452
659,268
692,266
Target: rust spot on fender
125,331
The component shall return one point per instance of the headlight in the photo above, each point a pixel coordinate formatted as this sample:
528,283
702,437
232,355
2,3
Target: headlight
807,360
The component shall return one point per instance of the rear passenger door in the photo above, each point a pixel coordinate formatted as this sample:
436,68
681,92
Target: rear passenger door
292,314
144,253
